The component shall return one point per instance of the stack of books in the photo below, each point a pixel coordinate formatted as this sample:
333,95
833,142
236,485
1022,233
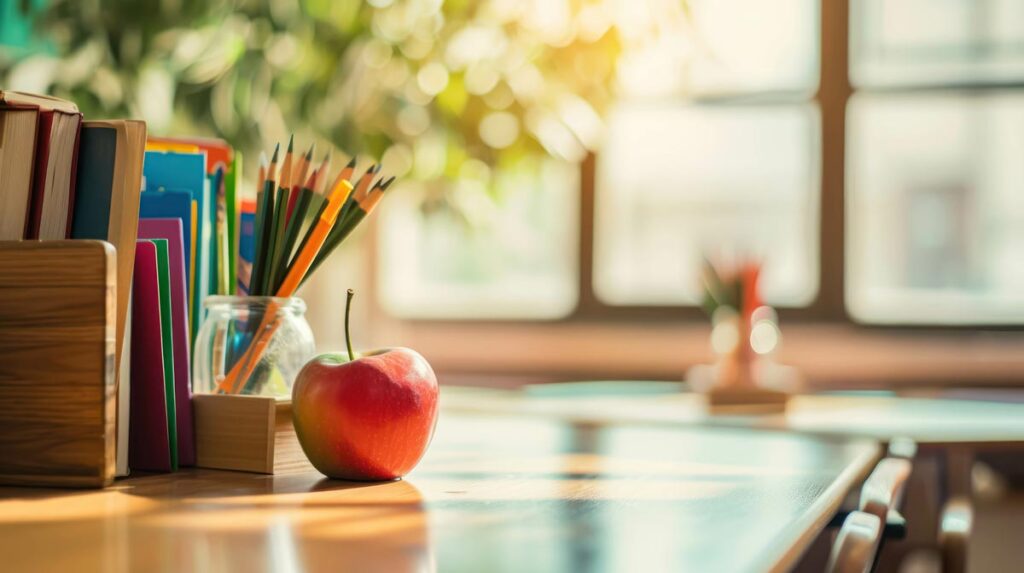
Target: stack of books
169,207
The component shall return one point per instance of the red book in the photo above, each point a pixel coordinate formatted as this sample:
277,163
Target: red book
53,182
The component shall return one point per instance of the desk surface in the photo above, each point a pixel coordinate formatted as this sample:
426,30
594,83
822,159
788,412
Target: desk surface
874,415
494,493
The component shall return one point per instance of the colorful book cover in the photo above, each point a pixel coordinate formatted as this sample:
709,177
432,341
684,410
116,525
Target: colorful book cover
172,171
246,245
148,440
167,339
171,230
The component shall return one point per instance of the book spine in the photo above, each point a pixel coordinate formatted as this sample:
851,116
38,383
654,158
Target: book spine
44,126
74,178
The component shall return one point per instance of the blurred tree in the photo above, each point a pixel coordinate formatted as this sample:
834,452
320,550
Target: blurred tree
439,89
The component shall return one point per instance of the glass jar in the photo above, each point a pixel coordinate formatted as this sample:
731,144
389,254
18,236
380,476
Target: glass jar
251,345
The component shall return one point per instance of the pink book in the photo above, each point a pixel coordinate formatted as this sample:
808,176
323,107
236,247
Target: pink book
148,443
170,229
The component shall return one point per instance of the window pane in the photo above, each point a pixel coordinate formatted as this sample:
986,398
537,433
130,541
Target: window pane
935,212
936,42
675,183
720,46
509,254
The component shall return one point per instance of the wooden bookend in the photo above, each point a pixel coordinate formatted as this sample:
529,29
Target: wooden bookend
246,433
57,385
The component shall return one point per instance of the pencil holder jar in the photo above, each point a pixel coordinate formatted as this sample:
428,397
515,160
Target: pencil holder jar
251,345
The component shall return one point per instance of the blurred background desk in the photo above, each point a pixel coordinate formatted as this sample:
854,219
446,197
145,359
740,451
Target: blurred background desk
494,493
968,445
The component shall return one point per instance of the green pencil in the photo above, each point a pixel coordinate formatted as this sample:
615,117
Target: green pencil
264,208
294,226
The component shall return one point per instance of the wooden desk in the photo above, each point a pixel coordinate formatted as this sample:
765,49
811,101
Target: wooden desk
494,493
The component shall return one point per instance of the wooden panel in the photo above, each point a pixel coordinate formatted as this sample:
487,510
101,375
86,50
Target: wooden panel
57,394
494,493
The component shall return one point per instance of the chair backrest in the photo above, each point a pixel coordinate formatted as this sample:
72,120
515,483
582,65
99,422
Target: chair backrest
883,490
856,544
955,527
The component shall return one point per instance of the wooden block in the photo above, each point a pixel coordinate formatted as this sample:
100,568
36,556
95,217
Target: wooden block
739,399
57,386
760,400
246,433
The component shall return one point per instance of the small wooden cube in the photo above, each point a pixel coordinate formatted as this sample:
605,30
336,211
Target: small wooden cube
246,433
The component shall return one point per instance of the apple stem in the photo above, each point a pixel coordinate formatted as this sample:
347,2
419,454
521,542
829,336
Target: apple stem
348,337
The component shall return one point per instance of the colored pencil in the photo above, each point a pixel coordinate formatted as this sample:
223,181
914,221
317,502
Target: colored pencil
280,211
344,228
298,179
264,212
294,226
323,226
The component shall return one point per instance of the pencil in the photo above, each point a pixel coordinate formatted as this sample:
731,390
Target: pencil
300,176
324,169
280,212
357,195
323,225
264,206
294,225
317,201
263,172
344,227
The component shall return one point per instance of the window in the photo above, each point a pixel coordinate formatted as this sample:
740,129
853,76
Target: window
678,182
510,253
936,42
934,209
877,174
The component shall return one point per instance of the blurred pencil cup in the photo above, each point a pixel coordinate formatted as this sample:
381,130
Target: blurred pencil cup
232,326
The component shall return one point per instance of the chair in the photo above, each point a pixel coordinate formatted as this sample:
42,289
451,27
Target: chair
955,527
883,490
856,545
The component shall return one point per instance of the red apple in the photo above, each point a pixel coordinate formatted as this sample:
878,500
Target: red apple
371,418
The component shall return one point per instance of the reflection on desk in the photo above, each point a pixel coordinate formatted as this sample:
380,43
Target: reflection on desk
494,493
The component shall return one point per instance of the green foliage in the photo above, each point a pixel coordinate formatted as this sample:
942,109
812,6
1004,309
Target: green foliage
417,82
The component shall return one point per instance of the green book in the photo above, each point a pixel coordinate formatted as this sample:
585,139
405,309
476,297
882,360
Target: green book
163,267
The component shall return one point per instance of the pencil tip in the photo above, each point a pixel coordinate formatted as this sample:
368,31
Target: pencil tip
309,154
377,167
384,186
351,163
291,142
277,148
263,159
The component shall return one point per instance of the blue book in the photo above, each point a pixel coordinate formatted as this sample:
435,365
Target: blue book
172,171
246,249
171,205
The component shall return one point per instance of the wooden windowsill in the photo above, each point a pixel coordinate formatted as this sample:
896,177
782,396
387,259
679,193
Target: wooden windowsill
829,356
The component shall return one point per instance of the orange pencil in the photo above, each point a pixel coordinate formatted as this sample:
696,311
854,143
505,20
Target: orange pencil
323,226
